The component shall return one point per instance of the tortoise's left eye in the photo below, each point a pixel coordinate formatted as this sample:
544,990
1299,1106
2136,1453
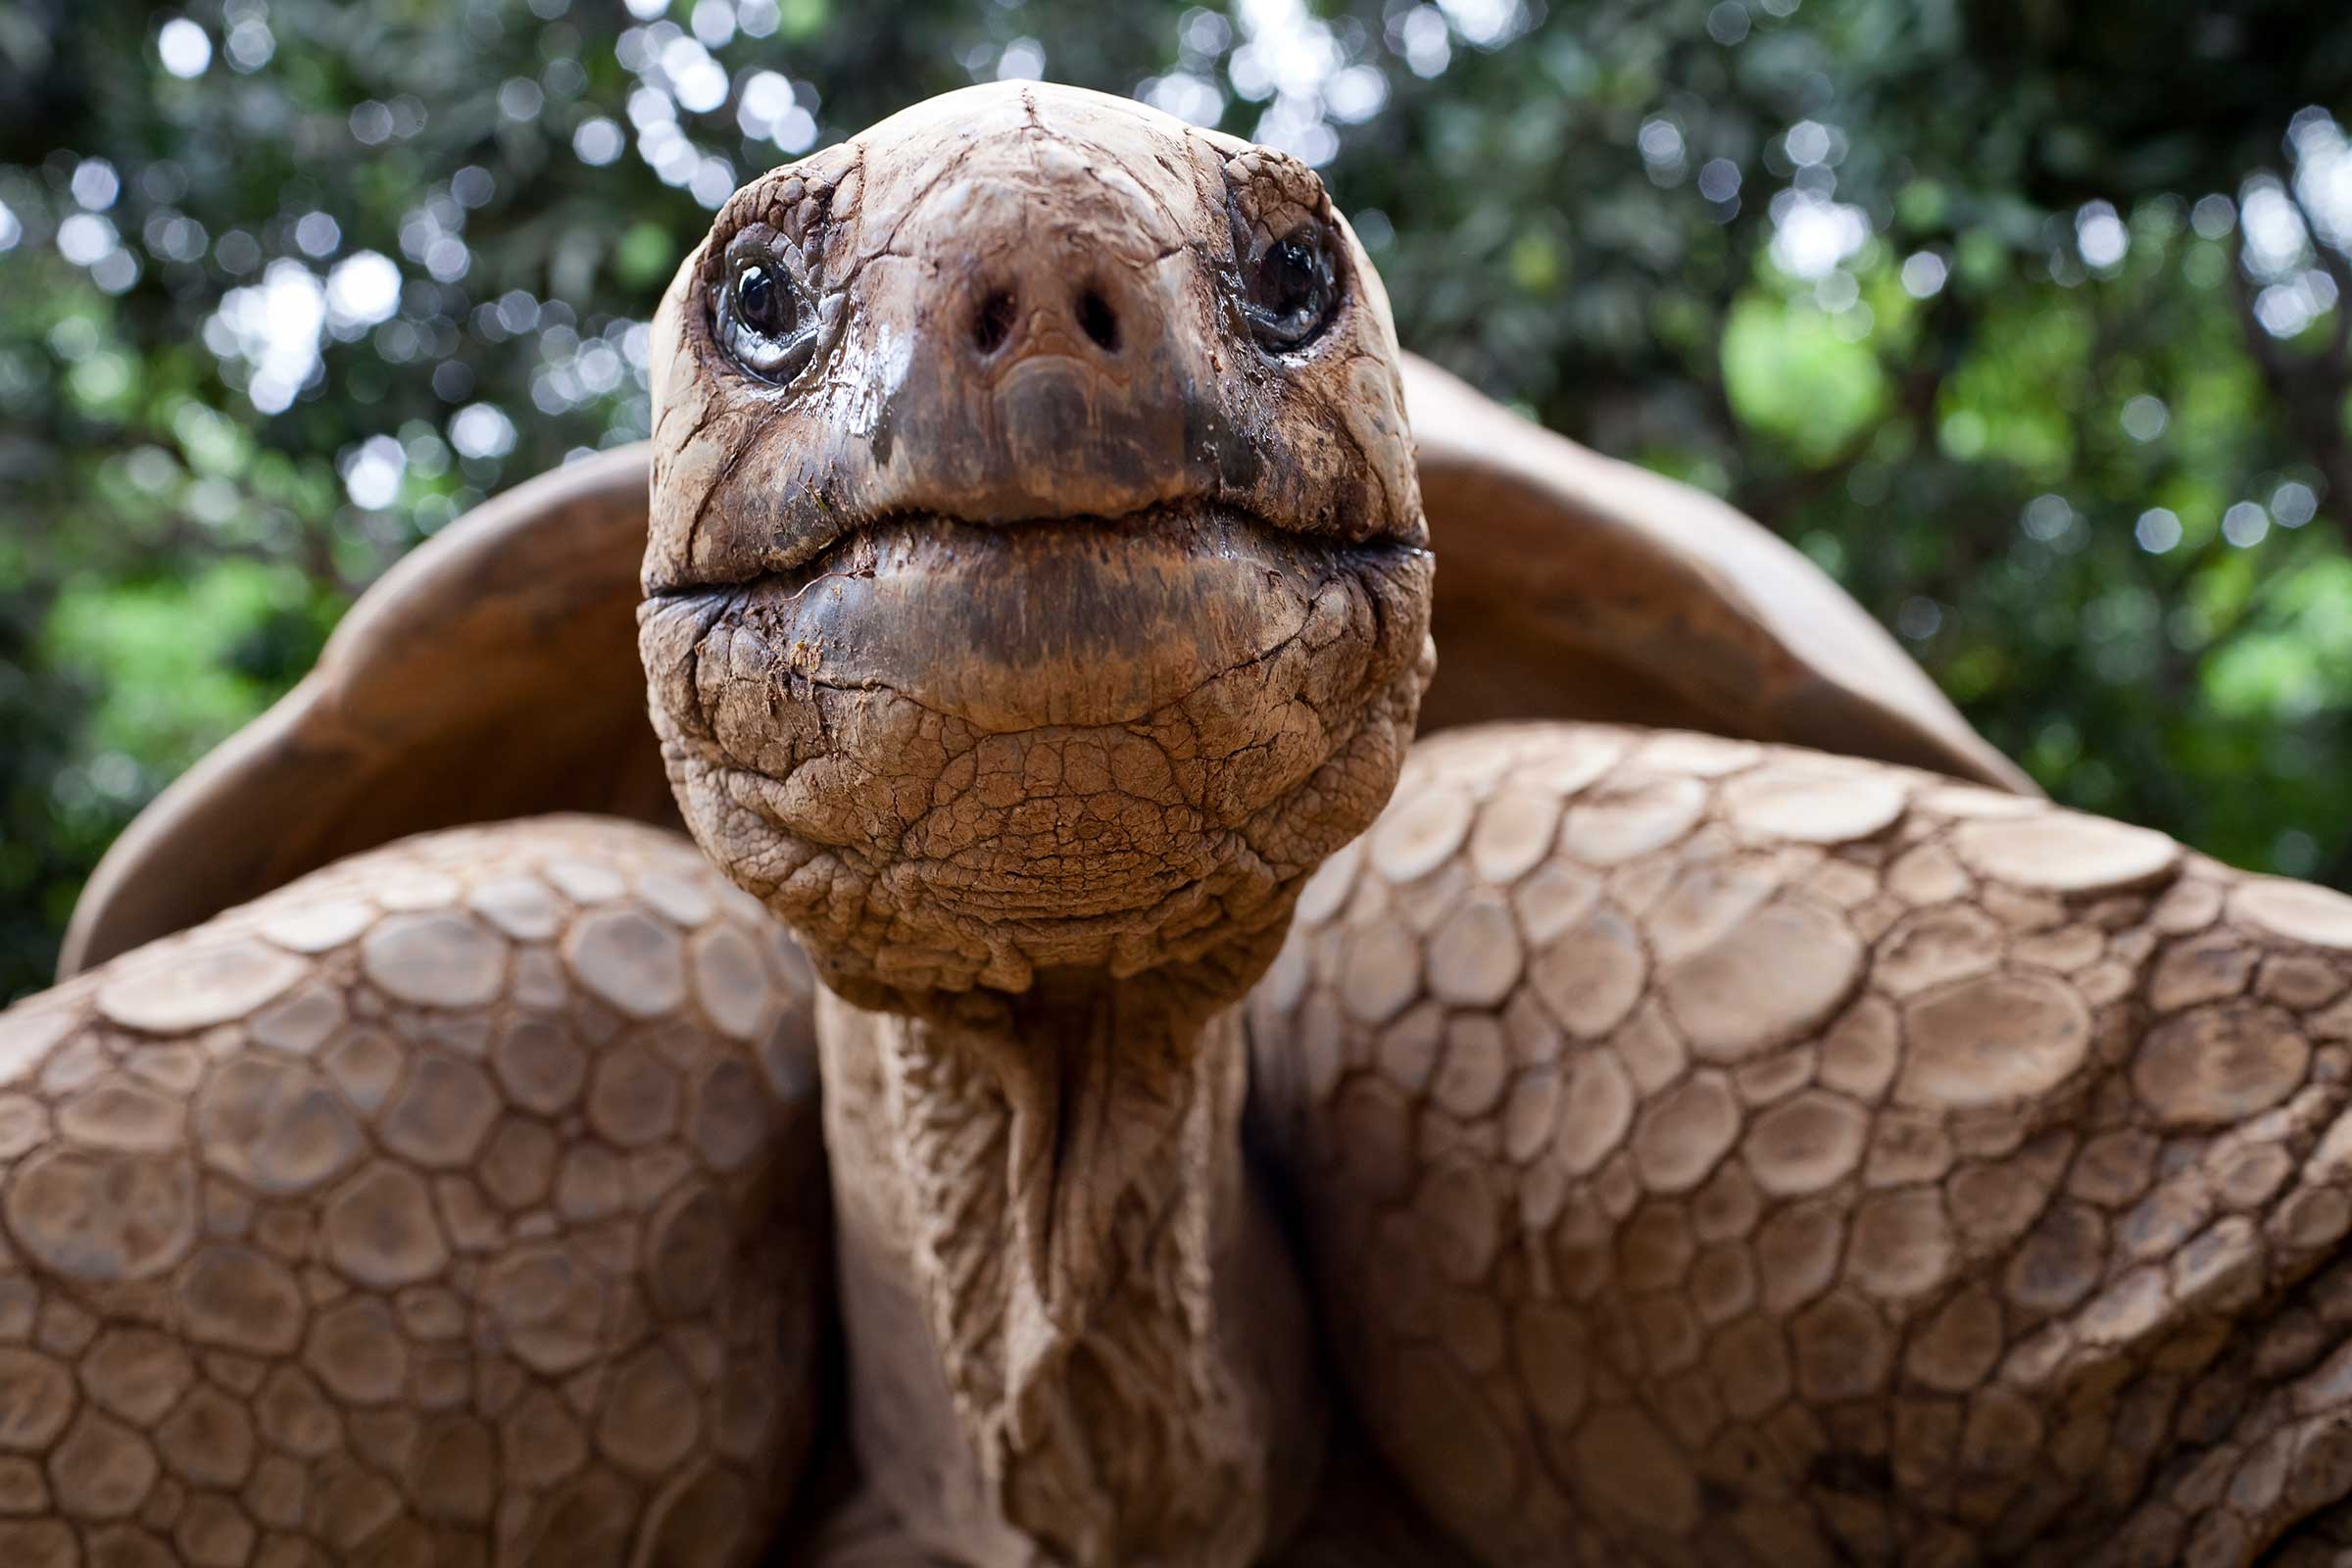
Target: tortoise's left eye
1291,288
766,321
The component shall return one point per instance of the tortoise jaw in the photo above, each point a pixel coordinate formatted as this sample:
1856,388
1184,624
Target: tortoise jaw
953,754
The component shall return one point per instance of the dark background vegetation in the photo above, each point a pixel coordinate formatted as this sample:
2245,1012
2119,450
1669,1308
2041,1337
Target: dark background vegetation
2023,318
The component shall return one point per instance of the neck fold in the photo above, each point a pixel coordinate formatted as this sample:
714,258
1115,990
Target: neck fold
1074,1336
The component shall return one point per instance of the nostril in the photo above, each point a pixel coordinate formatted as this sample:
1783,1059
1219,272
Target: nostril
994,322
1099,321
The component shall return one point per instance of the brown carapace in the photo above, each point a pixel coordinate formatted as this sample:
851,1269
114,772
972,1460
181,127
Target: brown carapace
1095,1088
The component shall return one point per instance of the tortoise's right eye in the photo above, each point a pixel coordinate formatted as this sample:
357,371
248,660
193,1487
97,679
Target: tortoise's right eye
1292,288
766,321
1289,253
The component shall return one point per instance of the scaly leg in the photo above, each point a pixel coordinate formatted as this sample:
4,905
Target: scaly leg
460,1204
1719,1155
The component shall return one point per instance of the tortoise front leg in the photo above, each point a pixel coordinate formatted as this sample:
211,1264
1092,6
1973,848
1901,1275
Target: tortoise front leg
1730,1154
456,1204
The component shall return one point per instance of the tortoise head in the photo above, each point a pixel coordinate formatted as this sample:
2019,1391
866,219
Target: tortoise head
1037,575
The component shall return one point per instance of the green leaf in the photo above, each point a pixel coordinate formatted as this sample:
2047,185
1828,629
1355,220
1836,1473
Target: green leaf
1789,374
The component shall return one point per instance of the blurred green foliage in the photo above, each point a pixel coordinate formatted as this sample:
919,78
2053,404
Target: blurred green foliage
2023,318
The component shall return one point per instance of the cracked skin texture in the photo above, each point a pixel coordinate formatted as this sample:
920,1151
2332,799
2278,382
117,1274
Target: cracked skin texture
1664,1149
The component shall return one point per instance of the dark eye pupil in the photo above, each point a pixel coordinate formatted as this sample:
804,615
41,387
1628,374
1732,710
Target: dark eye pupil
1293,290
1294,279
765,301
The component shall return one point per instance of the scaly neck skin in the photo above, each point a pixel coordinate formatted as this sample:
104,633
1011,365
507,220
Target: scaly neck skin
1074,1336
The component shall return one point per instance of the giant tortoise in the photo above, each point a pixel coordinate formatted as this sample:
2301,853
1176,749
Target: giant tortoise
1095,1088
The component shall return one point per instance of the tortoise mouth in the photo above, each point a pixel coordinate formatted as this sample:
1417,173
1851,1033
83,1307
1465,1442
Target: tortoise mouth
1074,620
812,542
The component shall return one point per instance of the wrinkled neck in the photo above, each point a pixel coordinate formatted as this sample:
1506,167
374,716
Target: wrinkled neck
1073,1335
